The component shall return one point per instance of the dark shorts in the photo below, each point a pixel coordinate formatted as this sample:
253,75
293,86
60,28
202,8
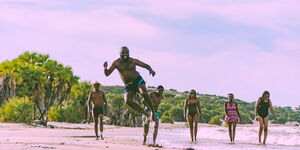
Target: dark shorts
98,111
133,86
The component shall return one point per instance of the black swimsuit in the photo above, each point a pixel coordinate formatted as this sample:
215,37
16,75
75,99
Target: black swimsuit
263,108
192,109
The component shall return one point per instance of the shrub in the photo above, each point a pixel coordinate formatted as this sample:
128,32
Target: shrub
53,114
216,120
177,113
246,118
17,110
166,118
69,113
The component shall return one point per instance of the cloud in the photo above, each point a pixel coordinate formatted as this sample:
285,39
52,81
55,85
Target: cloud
212,63
246,73
277,15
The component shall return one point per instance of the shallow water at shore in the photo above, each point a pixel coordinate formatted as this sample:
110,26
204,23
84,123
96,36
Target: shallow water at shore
280,137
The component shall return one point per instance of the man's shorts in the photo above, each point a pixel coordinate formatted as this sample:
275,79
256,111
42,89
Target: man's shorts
98,111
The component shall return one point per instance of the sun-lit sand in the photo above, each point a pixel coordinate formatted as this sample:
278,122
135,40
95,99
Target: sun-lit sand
171,136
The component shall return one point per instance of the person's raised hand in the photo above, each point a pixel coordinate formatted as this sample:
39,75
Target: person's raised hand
152,73
105,65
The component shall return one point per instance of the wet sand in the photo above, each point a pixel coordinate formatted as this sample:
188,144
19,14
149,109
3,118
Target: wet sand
171,136
69,137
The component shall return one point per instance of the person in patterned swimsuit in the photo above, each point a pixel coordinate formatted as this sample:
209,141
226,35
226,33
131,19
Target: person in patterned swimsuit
232,116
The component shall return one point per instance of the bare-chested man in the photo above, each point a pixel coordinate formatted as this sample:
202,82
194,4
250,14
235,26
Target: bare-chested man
97,97
156,98
133,81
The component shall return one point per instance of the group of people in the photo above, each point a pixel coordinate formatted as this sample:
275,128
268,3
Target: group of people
134,84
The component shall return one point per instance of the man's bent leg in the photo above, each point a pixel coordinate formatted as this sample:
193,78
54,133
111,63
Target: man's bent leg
128,97
144,93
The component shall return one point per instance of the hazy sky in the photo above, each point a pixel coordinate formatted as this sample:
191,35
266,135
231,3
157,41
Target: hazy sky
213,46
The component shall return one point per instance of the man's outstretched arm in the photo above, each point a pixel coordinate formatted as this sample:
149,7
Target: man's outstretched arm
144,65
107,72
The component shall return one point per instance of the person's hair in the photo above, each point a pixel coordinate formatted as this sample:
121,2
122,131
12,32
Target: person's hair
160,86
191,92
264,93
96,84
124,48
230,94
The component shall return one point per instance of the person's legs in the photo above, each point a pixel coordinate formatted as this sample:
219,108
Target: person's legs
146,130
265,120
155,132
128,97
261,125
233,130
101,127
96,126
190,120
230,130
143,91
196,119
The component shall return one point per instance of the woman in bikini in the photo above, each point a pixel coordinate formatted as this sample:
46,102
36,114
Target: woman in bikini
262,111
232,116
193,109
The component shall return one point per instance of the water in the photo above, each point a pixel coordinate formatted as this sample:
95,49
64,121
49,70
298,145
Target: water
216,137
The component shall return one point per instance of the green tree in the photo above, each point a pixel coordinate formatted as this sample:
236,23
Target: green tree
80,93
43,80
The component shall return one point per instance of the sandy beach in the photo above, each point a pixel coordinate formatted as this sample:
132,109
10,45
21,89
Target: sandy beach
67,136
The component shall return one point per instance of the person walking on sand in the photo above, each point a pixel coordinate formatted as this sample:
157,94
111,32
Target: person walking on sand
99,107
192,112
262,114
232,116
156,98
132,79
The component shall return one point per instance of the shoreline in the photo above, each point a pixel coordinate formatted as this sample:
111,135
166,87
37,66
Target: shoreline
171,136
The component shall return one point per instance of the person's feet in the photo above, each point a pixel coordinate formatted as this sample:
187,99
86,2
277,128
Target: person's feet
102,137
97,137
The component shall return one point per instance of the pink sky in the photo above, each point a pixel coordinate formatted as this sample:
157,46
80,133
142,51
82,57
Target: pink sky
215,47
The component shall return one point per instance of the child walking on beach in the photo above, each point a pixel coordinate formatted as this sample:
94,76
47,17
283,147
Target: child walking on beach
232,116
